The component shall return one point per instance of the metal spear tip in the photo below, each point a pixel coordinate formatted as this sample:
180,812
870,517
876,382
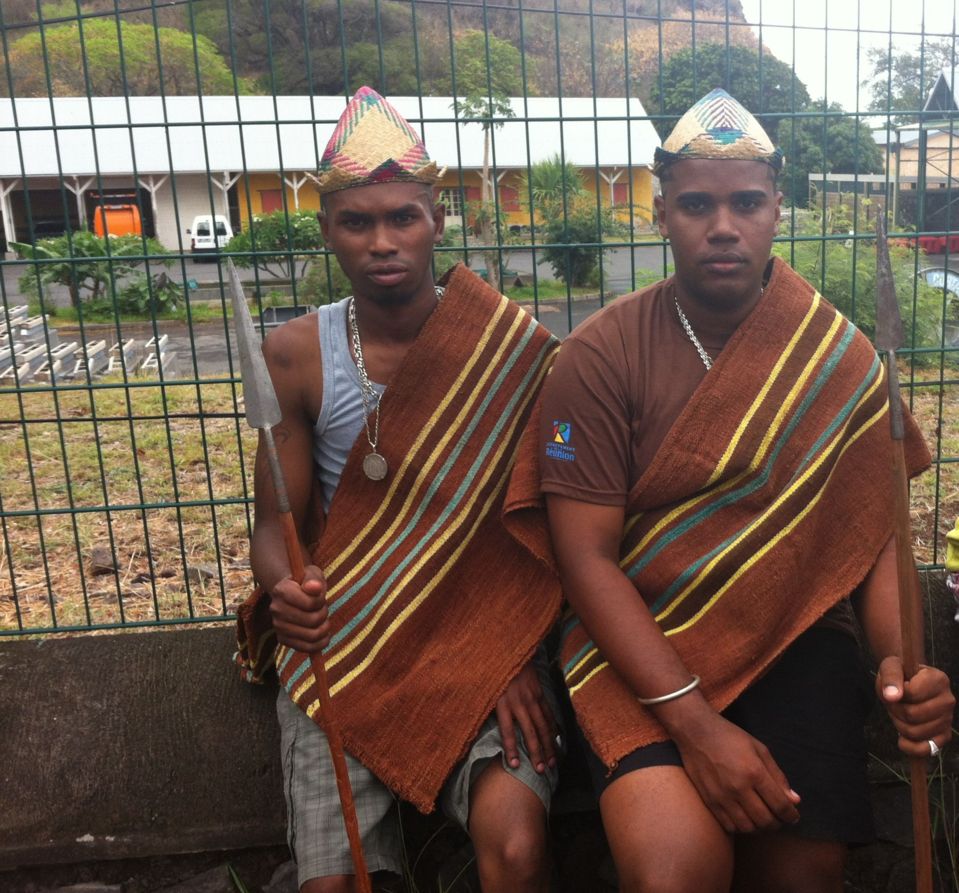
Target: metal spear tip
259,395
889,333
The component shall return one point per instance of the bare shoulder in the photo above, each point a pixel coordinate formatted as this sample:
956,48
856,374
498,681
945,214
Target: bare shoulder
292,353
294,343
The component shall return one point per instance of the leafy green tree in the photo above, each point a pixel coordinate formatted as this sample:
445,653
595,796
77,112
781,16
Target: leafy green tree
845,273
487,74
900,81
326,47
275,242
142,72
552,188
767,87
830,143
92,267
570,255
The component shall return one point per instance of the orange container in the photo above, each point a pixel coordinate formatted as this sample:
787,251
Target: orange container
117,220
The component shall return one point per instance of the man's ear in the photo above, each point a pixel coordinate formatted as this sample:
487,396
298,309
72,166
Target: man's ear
439,222
324,225
660,204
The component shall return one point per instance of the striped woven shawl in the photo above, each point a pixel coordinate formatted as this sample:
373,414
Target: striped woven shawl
768,503
434,606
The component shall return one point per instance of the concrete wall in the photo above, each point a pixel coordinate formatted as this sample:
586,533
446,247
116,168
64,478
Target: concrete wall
133,745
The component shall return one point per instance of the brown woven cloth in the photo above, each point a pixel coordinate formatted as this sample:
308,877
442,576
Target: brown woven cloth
434,606
767,503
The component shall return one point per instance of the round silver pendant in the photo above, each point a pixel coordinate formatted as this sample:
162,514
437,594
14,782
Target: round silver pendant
375,467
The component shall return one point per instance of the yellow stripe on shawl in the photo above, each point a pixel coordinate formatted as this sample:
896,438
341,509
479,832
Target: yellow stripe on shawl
764,444
761,396
449,531
475,394
575,688
773,507
753,559
416,602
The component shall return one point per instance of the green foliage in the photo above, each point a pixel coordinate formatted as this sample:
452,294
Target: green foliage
552,187
901,80
830,143
844,271
571,258
273,243
91,267
445,260
767,87
112,60
488,72
324,283
295,47
157,295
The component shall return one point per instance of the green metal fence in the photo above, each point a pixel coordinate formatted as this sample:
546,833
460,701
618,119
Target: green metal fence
125,464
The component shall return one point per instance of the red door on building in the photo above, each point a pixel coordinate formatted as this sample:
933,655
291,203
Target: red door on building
271,200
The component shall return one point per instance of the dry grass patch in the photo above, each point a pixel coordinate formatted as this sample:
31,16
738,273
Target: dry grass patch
159,477
154,475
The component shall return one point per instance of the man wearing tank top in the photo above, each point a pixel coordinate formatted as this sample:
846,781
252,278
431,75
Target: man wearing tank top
402,406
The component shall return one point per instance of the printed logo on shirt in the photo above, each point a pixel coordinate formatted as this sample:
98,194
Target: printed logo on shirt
559,446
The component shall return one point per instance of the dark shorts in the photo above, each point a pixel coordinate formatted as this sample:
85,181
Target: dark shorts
809,710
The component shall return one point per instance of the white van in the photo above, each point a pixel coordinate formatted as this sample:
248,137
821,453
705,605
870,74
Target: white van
209,233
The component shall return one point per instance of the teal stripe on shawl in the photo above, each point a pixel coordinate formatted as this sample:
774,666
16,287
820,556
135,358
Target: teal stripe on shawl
685,526
841,418
434,486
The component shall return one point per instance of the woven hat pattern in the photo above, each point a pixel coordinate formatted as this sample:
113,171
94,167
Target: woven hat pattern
373,143
718,127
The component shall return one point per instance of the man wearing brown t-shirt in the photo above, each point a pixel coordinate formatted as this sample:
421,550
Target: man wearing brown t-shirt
715,444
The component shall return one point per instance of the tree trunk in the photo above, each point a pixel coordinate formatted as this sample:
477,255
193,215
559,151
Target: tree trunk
487,228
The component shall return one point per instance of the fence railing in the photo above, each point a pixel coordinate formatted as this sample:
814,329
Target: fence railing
142,146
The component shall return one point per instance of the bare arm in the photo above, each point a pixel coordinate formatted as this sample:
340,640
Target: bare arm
734,774
299,611
921,708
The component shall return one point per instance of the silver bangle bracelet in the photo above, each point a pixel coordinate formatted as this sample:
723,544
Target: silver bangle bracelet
662,699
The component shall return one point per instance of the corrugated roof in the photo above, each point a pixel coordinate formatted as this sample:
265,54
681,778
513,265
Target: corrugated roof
190,134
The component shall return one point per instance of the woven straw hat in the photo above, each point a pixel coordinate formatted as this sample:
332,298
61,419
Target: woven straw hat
373,143
718,127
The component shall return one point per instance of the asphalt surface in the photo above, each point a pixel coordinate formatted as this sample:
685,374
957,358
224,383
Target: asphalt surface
203,351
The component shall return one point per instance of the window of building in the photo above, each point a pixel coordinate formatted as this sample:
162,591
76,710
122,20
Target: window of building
453,200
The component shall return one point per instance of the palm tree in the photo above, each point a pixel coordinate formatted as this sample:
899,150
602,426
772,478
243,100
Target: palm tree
552,188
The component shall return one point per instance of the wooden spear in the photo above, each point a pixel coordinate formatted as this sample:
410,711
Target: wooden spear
262,413
889,337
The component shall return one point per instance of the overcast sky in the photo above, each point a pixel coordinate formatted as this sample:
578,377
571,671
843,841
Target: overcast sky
831,37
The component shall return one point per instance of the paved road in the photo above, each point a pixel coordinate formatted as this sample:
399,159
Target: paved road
209,340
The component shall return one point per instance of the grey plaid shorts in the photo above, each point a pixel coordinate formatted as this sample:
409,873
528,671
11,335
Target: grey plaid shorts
315,830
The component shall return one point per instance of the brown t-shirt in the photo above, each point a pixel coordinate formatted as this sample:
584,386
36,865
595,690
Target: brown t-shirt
619,383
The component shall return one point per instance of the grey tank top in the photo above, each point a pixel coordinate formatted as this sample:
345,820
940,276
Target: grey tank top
340,421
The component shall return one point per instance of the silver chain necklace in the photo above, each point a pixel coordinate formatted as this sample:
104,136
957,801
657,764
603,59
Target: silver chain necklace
688,329
707,360
375,466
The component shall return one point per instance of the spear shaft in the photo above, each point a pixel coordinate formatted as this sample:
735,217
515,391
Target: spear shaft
262,413
889,337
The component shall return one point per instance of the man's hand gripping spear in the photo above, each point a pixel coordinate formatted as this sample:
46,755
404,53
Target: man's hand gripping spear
889,337
262,413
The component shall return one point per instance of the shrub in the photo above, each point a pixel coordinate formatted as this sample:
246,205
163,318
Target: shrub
324,283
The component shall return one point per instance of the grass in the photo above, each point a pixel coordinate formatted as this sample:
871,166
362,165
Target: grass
200,311
120,465
160,475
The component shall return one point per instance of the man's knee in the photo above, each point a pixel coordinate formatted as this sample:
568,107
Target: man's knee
784,863
690,874
338,884
517,851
